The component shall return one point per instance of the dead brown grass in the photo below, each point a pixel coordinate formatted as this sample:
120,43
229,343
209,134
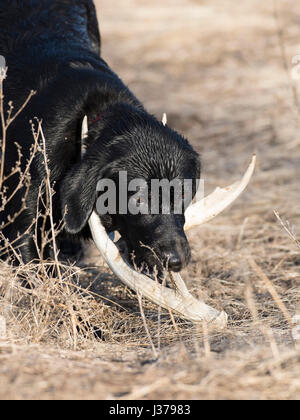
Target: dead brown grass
217,68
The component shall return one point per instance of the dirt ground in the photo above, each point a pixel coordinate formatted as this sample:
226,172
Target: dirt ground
222,71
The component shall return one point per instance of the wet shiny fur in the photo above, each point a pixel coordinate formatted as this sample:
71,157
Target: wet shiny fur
53,47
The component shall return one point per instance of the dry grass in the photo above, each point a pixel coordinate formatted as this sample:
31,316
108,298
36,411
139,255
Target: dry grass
216,67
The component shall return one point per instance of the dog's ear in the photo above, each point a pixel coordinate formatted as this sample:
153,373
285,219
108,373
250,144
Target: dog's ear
78,196
78,191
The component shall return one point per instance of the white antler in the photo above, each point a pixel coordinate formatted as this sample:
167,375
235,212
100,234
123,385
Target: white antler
209,207
181,301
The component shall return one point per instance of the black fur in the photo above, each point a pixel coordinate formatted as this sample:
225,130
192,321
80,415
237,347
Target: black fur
53,47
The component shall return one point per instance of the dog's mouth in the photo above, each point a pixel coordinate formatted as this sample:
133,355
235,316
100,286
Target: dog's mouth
165,247
154,268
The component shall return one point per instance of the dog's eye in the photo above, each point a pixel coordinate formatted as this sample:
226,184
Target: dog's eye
138,201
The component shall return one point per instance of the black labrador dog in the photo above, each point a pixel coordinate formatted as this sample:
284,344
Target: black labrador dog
53,47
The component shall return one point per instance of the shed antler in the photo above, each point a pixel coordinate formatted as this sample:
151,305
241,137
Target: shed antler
181,301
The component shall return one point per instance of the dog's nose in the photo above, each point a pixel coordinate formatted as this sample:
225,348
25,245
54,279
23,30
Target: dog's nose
174,262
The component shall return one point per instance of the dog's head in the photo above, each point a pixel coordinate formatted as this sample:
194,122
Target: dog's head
139,176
